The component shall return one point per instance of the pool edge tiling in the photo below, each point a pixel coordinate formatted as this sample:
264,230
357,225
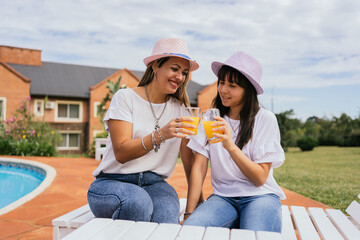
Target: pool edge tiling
50,174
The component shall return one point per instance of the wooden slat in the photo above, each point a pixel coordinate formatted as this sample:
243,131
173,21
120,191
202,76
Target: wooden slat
287,231
242,234
89,229
139,231
62,232
79,221
343,224
323,224
262,235
182,208
64,220
303,223
114,230
216,233
191,233
354,211
165,231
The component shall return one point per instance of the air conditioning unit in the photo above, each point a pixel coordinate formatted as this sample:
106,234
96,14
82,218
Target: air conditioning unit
50,105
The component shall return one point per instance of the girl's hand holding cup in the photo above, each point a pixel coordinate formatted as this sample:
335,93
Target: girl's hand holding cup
210,120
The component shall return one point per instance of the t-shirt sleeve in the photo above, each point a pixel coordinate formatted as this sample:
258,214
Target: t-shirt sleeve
119,108
198,143
267,147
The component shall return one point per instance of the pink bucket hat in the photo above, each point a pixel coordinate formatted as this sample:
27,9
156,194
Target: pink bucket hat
245,64
171,47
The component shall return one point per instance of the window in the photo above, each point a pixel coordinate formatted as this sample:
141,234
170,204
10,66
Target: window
68,111
96,104
69,141
2,108
39,107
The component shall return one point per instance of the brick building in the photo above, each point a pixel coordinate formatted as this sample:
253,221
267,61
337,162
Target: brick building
73,92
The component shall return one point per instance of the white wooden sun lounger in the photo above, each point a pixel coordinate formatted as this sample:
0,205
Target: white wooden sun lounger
99,150
309,224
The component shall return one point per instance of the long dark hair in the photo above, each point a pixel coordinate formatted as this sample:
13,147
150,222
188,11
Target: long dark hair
180,93
250,103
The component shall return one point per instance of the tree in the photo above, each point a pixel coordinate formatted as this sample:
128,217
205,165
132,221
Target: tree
113,88
289,128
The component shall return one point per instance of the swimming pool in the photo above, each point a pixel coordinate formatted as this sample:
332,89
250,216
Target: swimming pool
22,180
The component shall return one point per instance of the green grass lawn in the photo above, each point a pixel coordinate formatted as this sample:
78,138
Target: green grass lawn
330,175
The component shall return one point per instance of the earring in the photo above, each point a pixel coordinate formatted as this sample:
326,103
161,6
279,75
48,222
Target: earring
155,76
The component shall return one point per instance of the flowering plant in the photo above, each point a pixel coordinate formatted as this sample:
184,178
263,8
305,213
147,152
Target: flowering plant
22,135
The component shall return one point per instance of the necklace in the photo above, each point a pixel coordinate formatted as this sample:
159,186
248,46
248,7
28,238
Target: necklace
234,129
157,126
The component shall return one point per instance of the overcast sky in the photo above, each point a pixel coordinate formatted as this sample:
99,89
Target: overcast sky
309,49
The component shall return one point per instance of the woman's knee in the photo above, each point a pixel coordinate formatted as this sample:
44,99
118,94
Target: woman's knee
137,208
165,201
120,201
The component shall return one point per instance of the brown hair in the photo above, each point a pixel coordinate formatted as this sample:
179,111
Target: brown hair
180,93
250,107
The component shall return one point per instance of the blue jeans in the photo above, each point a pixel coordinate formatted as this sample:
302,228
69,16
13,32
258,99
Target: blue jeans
258,213
138,197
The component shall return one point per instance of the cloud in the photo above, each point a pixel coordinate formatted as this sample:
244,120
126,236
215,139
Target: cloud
301,44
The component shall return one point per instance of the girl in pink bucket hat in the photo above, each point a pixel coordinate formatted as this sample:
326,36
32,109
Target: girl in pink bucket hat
245,195
146,131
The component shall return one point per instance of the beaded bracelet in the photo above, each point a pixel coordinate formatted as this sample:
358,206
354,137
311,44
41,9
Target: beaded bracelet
158,132
142,142
156,147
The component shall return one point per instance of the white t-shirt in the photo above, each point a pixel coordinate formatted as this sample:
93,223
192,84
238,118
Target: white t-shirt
264,146
128,106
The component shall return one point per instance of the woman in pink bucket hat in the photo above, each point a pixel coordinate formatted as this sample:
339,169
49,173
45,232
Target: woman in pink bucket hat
146,131
246,195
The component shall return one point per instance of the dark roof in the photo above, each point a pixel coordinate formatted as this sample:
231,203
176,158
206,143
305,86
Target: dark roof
63,80
139,74
192,88
68,80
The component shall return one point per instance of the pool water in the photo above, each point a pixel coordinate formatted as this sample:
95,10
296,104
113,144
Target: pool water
17,180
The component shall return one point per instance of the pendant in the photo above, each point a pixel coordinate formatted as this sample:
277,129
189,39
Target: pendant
157,127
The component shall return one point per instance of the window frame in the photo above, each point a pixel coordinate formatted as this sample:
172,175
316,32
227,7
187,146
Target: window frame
41,113
68,119
3,113
67,147
96,104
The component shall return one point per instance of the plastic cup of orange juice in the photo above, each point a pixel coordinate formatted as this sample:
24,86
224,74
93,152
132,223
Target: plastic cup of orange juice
207,118
194,113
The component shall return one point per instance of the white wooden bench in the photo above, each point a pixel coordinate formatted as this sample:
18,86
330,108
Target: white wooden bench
310,224
99,149
69,222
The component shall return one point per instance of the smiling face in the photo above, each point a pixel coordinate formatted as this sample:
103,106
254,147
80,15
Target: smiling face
231,94
171,74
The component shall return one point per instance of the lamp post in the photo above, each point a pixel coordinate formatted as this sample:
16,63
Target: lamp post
272,98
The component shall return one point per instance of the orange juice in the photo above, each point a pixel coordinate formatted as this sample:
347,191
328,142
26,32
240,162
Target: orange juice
209,132
195,122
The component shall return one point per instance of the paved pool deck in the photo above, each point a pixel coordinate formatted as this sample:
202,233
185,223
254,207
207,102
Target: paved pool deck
67,192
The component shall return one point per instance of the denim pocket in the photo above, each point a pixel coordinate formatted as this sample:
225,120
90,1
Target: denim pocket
103,206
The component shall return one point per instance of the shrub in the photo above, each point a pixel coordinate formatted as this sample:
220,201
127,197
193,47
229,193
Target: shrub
5,146
22,135
306,143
